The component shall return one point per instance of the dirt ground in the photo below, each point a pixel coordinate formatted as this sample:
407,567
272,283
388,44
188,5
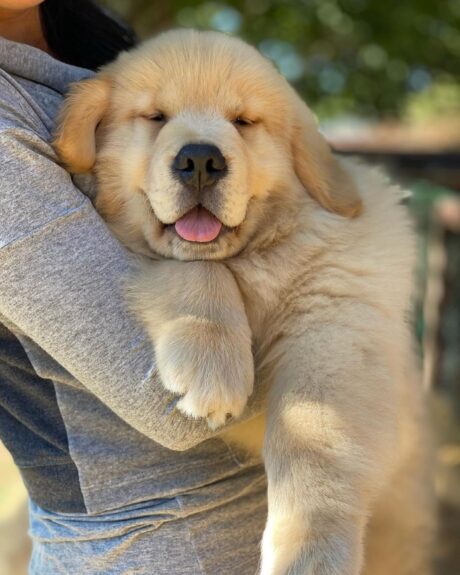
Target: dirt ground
14,543
15,546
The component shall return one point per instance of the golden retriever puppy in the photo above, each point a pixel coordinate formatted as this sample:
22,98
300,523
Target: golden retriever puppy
268,246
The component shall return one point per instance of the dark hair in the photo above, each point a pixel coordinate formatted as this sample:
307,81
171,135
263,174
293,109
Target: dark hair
81,33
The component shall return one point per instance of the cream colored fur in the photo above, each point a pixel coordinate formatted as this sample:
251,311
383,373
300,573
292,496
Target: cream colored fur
311,277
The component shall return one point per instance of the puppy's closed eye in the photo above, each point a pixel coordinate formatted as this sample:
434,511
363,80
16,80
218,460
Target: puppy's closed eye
158,117
242,121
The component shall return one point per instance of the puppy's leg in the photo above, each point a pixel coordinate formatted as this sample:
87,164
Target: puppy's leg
196,318
331,439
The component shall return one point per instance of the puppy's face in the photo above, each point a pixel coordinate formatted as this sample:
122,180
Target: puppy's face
191,135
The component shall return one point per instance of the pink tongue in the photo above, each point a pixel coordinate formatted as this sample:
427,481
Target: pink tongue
198,225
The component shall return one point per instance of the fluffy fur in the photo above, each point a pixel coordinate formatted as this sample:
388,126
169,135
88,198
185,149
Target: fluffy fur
311,277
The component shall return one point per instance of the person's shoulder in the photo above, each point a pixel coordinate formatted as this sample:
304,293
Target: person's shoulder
25,150
22,133
16,114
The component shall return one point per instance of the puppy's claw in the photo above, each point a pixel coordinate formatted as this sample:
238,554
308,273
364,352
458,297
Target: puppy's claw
188,405
216,419
194,406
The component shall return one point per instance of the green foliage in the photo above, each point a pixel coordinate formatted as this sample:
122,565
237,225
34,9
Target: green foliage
441,99
360,57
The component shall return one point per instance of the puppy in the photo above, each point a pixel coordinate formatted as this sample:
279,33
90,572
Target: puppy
268,247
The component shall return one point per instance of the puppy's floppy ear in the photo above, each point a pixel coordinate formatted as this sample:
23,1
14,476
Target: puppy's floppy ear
83,109
317,168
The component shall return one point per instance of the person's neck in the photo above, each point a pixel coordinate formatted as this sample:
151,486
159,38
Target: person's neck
23,26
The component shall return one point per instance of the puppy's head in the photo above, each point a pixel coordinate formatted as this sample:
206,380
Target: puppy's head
191,136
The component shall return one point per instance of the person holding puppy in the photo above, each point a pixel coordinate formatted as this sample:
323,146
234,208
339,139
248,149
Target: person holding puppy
119,480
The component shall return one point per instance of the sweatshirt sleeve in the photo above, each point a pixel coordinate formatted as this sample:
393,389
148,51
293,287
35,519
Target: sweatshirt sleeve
61,275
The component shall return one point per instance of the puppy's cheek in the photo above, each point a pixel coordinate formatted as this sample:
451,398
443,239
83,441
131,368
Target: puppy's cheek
133,170
134,155
260,185
260,180
268,165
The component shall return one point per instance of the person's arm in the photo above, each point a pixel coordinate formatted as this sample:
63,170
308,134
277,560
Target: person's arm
61,275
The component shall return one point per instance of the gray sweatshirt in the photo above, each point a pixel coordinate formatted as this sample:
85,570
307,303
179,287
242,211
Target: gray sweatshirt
81,407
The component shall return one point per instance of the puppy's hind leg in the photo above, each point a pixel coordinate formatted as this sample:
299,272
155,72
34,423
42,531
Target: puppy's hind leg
312,529
294,545
330,429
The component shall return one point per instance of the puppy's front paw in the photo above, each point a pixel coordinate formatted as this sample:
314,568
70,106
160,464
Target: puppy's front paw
210,365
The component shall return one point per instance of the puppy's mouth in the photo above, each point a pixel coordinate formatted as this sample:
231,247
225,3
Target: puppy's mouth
198,225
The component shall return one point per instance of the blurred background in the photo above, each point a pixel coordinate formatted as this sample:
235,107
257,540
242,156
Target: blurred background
383,80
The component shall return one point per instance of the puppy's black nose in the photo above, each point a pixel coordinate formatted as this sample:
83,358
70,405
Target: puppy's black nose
199,165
